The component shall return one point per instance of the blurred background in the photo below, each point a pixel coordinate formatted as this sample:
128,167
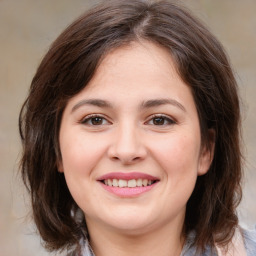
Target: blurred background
27,28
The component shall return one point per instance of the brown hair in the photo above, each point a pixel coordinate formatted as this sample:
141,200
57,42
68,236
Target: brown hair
70,64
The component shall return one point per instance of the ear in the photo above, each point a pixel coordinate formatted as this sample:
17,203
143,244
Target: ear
207,154
60,166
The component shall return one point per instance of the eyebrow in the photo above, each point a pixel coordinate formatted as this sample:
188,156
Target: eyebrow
94,102
159,102
145,104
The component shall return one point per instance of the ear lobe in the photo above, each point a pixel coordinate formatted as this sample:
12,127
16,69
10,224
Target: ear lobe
60,166
207,154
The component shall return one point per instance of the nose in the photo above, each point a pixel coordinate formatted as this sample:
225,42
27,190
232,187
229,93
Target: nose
127,146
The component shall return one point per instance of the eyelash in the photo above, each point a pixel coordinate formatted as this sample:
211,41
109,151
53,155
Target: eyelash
90,118
165,120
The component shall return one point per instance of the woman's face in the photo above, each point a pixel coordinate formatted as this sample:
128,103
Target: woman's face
130,143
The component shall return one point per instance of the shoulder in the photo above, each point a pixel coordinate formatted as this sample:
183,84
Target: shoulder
190,249
83,249
250,241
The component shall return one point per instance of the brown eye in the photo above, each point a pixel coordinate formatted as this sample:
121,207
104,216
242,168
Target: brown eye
158,121
94,121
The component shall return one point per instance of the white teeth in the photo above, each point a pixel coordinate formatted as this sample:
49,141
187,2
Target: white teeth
128,183
131,183
122,183
115,183
109,182
145,183
139,183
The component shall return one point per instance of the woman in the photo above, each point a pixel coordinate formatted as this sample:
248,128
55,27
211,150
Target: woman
131,135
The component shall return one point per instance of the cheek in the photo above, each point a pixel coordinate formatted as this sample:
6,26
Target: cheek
80,153
178,154
80,156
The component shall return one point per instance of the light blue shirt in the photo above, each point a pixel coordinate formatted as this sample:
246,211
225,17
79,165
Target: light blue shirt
189,249
249,237
250,242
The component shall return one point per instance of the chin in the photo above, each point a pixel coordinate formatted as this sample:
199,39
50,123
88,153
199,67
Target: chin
130,222
132,229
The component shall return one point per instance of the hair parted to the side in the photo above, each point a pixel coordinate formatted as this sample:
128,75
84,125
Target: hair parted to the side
69,65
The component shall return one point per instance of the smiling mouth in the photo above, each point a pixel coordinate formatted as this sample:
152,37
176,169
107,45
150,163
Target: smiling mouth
132,183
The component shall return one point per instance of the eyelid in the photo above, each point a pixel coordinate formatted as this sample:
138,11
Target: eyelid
171,120
90,116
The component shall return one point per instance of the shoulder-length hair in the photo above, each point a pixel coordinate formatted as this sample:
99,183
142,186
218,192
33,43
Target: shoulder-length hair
67,68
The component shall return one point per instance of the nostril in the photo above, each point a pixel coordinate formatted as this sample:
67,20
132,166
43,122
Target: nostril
126,158
115,158
125,153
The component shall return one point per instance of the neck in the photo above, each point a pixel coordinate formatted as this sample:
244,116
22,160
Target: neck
166,241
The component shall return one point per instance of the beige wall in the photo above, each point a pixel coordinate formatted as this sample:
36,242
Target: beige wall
27,27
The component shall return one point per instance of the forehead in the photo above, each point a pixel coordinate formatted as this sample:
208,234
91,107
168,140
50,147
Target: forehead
133,56
136,73
140,64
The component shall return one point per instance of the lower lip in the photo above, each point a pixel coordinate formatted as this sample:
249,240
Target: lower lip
128,192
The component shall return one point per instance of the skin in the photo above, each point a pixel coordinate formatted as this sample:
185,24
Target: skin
162,140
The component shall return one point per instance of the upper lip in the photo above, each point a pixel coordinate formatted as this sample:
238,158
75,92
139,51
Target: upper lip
127,176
